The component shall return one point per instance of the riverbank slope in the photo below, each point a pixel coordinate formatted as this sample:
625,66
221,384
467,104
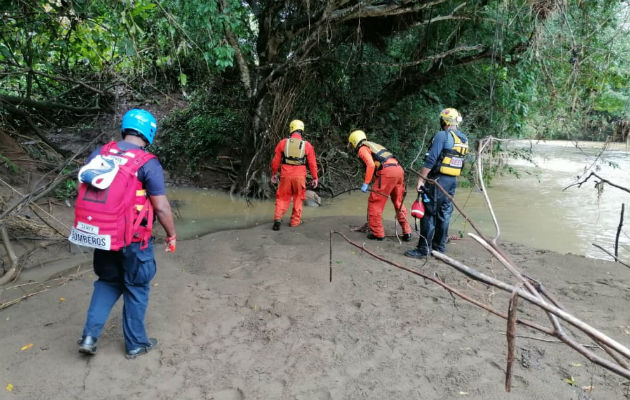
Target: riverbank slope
251,314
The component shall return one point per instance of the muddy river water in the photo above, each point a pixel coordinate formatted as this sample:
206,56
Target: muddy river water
534,209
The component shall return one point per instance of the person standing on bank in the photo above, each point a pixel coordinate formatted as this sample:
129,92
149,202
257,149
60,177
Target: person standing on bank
443,163
389,183
293,153
121,188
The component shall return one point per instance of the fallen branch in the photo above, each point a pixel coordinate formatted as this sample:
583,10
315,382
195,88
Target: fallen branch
623,206
583,181
625,372
511,336
449,288
46,105
611,254
554,310
45,286
12,272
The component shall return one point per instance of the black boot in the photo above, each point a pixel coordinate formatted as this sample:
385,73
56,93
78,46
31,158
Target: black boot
415,253
372,237
87,345
276,225
138,351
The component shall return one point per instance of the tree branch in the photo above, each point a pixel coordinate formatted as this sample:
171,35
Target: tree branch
433,57
583,181
45,105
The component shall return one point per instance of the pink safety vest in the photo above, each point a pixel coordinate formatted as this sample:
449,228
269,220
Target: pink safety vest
112,218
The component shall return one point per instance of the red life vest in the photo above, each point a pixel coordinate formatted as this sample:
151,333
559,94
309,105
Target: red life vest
112,218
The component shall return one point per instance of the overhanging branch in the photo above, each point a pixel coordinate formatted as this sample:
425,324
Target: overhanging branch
434,57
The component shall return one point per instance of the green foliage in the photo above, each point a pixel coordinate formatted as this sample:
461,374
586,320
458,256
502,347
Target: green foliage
192,138
572,81
540,70
105,38
67,189
8,164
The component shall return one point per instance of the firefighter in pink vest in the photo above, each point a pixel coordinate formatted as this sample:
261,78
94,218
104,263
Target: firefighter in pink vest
294,154
121,235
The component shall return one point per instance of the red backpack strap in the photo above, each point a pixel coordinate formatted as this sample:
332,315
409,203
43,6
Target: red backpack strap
140,158
145,158
147,211
106,147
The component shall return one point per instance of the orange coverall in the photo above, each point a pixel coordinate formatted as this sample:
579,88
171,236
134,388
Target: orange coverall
389,182
292,180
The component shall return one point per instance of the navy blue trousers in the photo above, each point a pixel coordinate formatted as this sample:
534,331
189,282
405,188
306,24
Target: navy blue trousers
127,272
437,217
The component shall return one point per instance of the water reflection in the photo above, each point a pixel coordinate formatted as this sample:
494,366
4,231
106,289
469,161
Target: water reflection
533,210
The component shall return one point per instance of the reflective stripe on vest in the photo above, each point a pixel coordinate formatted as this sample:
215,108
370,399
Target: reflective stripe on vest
379,153
452,160
294,152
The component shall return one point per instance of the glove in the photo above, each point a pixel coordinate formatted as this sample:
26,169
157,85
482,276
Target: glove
364,187
274,178
171,244
314,183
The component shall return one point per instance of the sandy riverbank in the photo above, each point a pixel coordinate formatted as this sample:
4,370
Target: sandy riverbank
251,314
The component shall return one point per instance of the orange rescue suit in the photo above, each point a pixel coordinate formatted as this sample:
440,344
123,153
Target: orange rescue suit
292,180
389,182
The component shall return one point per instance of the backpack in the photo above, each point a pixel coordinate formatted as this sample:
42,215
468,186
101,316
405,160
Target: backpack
114,211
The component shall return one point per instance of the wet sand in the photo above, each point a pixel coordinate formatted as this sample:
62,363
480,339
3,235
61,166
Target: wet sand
251,314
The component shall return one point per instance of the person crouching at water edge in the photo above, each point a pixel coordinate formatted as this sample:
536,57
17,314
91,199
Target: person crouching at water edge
293,153
389,182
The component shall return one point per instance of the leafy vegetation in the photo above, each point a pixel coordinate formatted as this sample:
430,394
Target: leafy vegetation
518,69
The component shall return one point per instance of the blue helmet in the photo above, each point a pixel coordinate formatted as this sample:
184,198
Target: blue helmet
141,121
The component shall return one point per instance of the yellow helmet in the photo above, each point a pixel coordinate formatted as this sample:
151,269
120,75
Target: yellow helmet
356,137
450,116
296,125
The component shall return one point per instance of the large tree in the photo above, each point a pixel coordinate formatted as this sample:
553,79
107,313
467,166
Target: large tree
248,67
393,48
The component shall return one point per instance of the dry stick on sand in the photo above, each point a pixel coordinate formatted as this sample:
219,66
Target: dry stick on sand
447,287
505,259
523,294
611,254
511,339
589,330
623,208
45,286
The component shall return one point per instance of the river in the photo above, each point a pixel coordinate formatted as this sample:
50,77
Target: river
535,209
